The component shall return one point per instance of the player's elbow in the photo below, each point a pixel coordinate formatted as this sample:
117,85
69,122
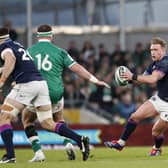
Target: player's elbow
75,68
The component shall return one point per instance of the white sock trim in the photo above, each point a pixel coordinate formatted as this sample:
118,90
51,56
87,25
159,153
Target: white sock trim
31,139
121,142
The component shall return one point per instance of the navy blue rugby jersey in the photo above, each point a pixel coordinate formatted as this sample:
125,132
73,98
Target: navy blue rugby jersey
25,69
162,85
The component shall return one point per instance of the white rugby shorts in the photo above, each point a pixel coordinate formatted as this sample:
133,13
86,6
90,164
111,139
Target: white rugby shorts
161,107
55,107
32,93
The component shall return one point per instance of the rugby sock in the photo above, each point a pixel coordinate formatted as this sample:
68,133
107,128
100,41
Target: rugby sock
158,141
62,129
7,137
66,141
129,128
32,135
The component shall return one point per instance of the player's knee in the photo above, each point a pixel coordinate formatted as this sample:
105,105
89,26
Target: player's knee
5,118
155,132
135,117
9,109
45,119
48,124
28,118
27,122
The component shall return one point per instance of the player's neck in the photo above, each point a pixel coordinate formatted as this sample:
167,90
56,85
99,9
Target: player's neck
45,38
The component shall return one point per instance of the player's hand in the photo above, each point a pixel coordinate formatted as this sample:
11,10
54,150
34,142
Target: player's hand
102,83
127,75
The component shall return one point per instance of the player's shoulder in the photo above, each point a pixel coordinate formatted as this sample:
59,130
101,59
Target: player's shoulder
164,60
163,63
2,47
57,49
8,44
62,51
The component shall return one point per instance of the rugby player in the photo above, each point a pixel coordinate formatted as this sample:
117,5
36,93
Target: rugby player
156,73
51,61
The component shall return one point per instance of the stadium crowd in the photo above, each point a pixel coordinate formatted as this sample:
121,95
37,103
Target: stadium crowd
119,101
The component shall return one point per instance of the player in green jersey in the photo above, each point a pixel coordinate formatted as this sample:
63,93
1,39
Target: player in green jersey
51,61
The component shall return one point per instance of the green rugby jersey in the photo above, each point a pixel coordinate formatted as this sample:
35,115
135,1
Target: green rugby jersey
50,61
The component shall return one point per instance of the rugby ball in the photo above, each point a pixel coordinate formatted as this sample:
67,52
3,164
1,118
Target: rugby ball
120,81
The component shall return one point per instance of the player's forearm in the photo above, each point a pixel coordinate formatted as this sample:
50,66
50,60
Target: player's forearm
5,73
150,79
83,73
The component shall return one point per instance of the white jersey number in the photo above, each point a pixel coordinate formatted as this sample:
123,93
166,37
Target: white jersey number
44,64
25,56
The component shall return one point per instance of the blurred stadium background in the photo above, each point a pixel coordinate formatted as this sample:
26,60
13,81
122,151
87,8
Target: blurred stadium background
100,35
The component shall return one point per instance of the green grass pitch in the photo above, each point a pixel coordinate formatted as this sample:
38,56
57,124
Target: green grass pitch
130,157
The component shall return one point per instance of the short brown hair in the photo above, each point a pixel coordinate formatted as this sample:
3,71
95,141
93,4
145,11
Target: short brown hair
158,40
4,31
44,28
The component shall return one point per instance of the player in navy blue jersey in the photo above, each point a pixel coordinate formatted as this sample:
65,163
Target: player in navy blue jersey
30,89
157,73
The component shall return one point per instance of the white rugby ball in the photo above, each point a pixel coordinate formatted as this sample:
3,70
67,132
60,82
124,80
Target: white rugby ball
120,81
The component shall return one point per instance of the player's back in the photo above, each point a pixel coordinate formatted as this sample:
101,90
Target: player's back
50,60
24,70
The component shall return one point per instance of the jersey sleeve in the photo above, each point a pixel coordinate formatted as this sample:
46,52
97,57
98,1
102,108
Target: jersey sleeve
68,60
162,66
4,51
148,70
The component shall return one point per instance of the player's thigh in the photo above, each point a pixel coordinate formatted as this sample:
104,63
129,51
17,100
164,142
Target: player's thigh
10,109
14,103
57,110
5,118
24,93
159,127
42,99
48,124
146,110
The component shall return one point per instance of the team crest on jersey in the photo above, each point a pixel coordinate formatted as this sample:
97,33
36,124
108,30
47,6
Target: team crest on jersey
153,98
166,117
